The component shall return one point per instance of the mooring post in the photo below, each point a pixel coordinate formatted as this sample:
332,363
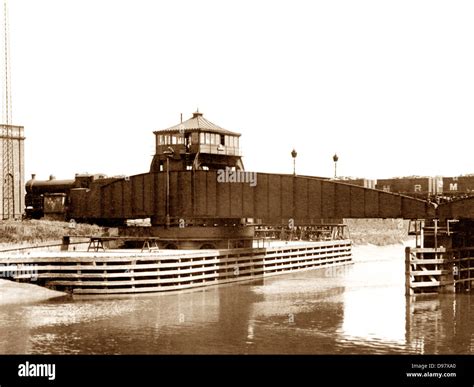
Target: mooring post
65,243
447,277
408,289
422,234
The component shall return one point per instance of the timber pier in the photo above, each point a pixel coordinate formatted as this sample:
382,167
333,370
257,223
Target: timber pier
117,271
443,259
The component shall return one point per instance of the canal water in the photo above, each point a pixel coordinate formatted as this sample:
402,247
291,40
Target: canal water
358,309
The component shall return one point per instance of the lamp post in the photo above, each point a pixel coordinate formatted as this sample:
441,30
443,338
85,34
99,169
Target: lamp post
335,158
169,153
294,154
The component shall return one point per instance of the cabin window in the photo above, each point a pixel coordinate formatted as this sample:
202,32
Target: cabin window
202,138
236,142
208,138
222,139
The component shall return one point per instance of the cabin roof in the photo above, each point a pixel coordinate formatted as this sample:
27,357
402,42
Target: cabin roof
197,123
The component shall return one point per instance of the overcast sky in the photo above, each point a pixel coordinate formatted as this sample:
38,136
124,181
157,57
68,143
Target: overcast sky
388,85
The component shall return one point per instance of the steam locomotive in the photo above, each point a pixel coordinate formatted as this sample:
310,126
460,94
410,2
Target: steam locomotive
51,198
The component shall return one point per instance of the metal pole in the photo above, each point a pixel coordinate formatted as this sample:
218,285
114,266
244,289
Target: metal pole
167,192
294,154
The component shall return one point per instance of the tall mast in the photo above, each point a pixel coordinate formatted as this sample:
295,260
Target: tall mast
7,146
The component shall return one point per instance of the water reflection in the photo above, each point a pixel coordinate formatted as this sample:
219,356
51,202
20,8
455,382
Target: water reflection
359,309
441,324
375,307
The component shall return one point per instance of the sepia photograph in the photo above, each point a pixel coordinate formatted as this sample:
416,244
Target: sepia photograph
286,183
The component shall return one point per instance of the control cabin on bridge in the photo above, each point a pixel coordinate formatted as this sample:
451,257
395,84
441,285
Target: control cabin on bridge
196,144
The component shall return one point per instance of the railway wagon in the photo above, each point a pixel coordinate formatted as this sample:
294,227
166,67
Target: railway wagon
458,185
421,187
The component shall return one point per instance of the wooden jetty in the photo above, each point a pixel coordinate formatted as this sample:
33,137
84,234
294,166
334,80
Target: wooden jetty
442,261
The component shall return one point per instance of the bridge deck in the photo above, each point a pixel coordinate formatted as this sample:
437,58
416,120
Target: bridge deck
272,198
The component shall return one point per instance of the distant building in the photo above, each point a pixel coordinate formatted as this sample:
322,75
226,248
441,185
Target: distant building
12,171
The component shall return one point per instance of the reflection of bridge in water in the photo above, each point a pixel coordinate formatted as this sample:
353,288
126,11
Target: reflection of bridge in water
359,310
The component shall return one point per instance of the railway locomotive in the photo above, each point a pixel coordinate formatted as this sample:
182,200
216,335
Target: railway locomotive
51,198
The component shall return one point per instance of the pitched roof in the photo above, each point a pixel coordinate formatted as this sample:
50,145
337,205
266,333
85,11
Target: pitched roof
197,123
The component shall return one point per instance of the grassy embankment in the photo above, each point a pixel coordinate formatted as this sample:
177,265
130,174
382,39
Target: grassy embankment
380,232
31,232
